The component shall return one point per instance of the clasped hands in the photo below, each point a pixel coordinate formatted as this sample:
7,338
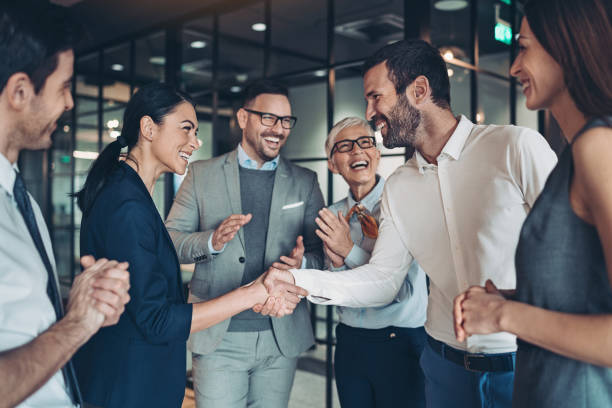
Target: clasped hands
479,310
283,295
335,232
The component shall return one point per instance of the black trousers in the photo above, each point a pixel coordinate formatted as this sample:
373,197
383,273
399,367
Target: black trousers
379,368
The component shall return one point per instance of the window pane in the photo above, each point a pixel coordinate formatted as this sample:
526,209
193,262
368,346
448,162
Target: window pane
319,167
116,90
150,58
450,30
524,117
493,100
460,83
196,71
494,36
298,43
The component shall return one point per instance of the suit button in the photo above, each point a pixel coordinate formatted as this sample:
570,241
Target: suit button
241,259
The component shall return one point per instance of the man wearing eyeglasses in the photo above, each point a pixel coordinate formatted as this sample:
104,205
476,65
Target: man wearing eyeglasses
235,216
377,349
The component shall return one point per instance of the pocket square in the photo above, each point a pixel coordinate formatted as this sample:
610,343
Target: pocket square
288,206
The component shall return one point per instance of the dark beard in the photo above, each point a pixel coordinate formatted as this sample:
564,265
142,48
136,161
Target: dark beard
403,120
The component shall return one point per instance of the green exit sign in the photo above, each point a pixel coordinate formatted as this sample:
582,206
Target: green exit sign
508,2
503,33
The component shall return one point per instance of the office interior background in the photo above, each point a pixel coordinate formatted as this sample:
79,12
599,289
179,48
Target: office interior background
212,48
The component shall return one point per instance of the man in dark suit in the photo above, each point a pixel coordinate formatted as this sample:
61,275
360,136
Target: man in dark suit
270,204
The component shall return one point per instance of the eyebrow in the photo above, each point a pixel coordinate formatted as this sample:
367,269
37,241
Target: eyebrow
190,122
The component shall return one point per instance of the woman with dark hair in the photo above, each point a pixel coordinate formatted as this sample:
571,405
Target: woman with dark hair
141,361
561,311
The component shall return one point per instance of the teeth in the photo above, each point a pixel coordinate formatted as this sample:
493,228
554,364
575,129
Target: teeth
184,155
380,126
272,139
361,163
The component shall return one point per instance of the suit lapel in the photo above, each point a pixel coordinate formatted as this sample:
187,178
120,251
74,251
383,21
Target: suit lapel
282,184
232,182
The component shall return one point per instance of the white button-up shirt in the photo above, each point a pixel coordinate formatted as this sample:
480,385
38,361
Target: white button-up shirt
459,219
25,308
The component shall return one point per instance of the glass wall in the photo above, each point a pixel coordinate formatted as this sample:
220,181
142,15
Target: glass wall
316,47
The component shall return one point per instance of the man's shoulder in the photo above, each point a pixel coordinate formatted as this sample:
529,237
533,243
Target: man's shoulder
209,164
297,170
511,134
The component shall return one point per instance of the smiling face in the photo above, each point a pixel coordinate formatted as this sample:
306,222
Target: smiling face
540,75
357,167
392,114
174,140
40,118
262,143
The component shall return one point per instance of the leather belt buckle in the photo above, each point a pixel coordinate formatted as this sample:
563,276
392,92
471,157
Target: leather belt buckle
467,361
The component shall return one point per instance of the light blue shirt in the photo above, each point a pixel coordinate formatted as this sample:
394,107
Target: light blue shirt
410,306
246,162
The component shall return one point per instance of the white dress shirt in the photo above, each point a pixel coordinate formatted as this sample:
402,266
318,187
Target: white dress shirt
25,308
459,219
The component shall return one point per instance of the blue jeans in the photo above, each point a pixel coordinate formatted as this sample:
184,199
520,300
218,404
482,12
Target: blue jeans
379,367
448,384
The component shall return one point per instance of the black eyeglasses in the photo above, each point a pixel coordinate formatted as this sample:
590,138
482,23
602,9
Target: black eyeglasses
347,145
270,119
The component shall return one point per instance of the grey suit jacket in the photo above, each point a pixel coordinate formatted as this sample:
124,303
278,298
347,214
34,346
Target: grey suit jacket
209,194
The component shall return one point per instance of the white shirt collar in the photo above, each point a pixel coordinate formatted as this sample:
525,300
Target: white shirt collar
453,147
7,174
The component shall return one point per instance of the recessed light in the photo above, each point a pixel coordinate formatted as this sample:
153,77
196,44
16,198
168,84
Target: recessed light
259,27
113,123
114,134
320,73
235,89
198,44
448,55
117,67
66,128
79,154
450,72
157,60
242,77
450,5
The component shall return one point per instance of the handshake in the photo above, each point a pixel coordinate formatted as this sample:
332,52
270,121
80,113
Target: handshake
282,294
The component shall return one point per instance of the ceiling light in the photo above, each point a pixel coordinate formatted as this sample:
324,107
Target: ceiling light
259,27
450,72
450,5
157,60
235,89
114,134
242,77
66,128
78,154
113,123
448,55
320,73
198,44
117,67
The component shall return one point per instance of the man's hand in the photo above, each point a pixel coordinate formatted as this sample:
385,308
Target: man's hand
294,260
284,296
336,260
226,231
335,232
99,294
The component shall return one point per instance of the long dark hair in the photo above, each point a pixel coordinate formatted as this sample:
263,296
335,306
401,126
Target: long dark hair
155,100
577,35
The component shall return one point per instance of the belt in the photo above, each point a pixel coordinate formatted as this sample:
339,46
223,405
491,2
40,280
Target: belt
473,362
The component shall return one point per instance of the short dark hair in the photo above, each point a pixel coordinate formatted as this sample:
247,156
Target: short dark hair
408,59
32,34
263,86
577,35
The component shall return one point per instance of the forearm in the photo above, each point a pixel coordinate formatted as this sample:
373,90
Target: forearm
211,312
586,338
27,368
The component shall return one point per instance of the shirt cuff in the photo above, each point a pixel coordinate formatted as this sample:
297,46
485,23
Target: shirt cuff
357,257
305,280
212,250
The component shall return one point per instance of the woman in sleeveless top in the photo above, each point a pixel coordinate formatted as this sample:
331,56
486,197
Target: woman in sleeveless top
561,311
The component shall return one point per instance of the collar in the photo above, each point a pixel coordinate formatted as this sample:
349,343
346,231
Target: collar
246,162
7,174
370,200
453,147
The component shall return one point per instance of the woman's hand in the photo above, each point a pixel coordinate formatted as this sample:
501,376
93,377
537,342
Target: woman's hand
335,232
478,311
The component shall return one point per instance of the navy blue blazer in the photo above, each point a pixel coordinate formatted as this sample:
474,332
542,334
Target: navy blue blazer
140,361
